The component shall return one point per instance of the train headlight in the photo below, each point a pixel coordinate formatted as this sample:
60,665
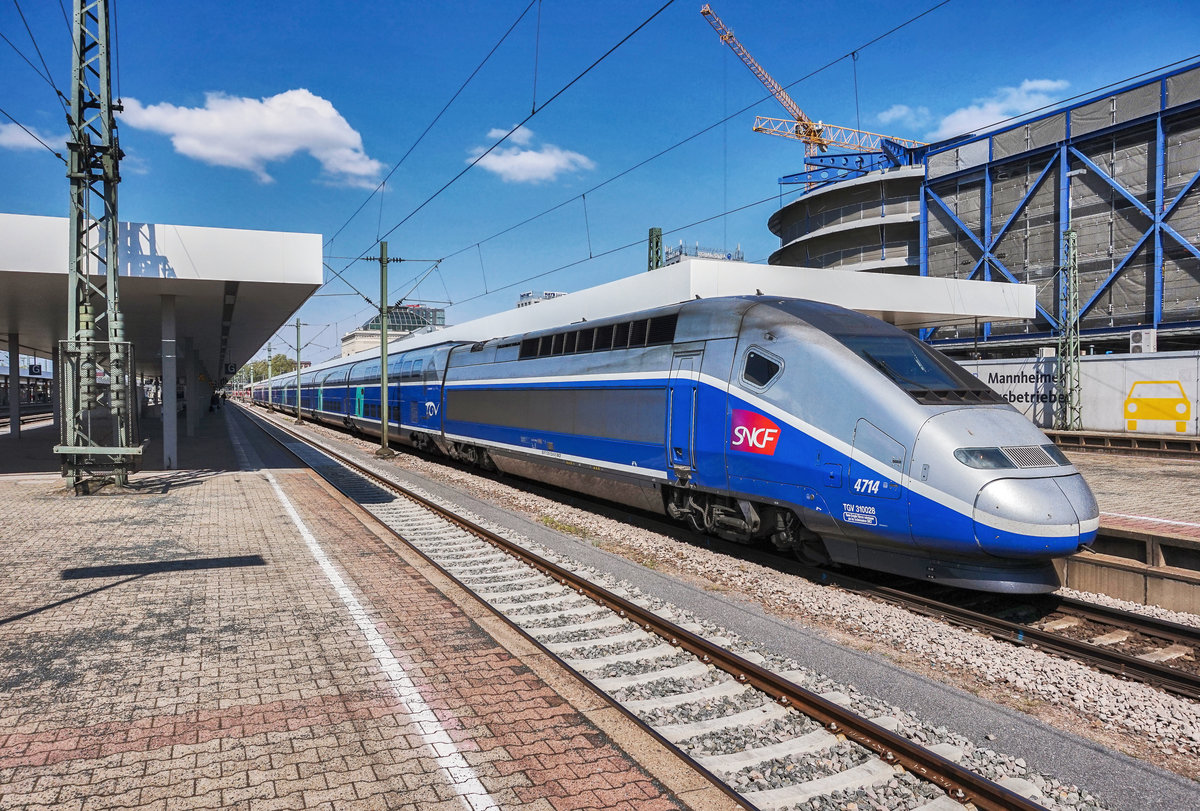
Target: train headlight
983,458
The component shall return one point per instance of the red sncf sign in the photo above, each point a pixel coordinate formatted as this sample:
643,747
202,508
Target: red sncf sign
754,433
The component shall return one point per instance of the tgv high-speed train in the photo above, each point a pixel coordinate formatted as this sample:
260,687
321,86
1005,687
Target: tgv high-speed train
757,419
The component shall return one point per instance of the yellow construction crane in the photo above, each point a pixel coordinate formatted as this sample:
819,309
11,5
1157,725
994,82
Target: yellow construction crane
815,135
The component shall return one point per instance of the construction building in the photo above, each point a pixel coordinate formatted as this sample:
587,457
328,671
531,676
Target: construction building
1119,170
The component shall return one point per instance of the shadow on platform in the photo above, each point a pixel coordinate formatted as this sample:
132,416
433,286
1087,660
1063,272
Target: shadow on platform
201,456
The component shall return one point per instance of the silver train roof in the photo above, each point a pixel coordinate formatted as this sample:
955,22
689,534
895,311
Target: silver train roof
909,302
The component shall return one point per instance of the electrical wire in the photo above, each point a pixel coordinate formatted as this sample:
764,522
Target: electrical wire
36,70
428,127
522,123
625,247
33,39
704,131
31,134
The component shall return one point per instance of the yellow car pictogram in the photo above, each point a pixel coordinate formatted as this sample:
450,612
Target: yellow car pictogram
1157,400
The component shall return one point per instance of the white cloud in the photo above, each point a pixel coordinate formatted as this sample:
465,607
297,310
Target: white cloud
904,115
520,164
521,136
246,133
13,137
1003,104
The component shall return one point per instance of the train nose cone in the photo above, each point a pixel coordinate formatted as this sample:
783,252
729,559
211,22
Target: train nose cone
1035,517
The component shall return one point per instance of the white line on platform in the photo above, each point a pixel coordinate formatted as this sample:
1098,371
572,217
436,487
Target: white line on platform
460,775
1155,520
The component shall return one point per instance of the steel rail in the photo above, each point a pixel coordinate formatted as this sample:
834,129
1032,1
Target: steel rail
1109,661
958,782
485,535
1140,623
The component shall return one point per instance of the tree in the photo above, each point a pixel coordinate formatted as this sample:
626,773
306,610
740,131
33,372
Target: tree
280,364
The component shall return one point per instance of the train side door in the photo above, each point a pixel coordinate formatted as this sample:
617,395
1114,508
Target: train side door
681,414
358,401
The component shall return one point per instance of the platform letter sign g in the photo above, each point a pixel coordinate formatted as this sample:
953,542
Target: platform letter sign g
754,433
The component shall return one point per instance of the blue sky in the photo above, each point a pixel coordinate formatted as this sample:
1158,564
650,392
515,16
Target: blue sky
285,117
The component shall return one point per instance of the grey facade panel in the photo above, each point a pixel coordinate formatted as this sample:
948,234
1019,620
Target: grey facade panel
1138,102
973,154
1092,117
1183,88
943,163
1010,142
1047,131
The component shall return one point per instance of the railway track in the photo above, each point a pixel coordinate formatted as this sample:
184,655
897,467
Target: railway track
1176,447
40,416
761,736
1132,646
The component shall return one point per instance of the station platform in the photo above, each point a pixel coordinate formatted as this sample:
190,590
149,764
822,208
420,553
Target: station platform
182,644
1143,493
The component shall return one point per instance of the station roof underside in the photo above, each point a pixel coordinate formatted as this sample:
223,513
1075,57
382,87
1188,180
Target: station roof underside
231,286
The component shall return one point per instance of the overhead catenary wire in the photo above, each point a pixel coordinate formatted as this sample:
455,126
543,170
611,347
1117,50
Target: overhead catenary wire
431,124
43,76
484,153
48,77
615,177
628,245
32,135
703,131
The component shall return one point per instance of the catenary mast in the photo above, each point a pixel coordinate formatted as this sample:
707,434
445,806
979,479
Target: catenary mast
95,365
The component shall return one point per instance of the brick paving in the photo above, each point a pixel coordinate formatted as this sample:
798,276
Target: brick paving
195,656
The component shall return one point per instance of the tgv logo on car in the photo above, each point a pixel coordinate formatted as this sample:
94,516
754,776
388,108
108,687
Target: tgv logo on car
753,432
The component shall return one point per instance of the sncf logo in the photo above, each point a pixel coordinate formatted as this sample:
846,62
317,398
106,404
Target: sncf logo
754,433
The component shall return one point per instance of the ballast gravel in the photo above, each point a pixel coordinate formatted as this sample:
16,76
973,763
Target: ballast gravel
1169,724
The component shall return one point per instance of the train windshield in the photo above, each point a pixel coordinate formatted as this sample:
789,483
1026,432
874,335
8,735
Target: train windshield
914,367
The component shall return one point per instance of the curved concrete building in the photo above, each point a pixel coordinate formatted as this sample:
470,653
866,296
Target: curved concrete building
869,223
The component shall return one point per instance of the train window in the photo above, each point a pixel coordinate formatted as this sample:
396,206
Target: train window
417,368
983,458
406,371
556,346
925,374
637,333
1057,455
662,329
569,341
760,370
529,348
604,338
586,340
620,336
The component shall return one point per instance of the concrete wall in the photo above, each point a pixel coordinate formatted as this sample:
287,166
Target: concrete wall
1106,384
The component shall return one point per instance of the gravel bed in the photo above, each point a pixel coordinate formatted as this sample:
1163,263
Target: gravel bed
671,687
600,651
791,770
639,667
706,710
569,601
903,792
1133,608
594,635
495,586
1170,724
553,621
739,739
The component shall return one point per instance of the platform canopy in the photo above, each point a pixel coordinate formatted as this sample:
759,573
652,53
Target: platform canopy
232,288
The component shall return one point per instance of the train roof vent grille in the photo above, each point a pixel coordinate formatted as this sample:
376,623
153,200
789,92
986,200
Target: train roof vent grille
1029,456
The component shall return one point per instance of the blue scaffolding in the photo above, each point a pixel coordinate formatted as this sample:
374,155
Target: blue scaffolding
1129,158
